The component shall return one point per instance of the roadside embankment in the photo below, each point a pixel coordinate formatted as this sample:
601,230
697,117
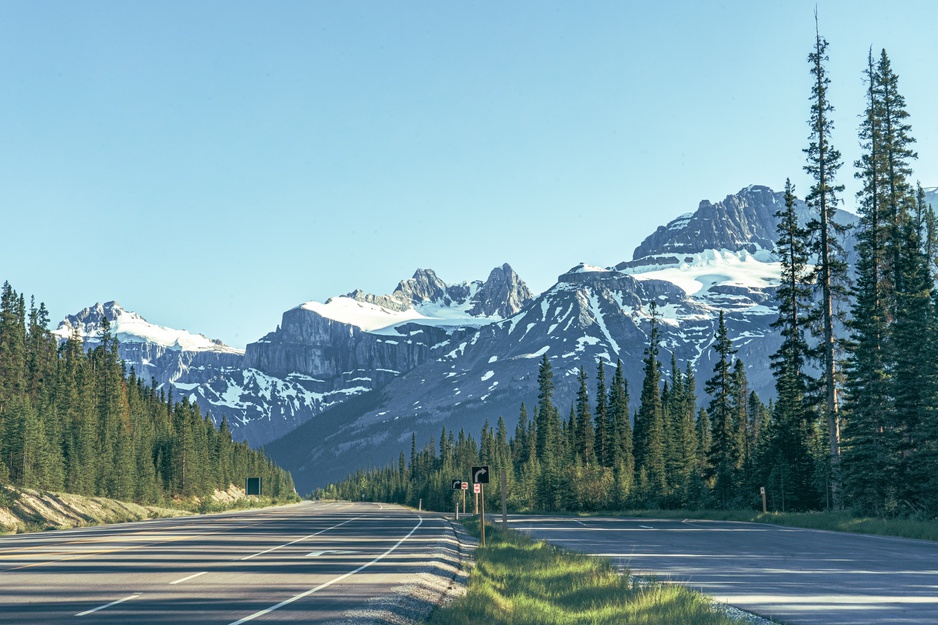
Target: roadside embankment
27,510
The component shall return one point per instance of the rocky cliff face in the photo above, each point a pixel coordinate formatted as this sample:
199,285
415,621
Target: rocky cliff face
310,344
744,221
501,295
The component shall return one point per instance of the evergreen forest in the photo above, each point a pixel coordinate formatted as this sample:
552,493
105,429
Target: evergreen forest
854,423
74,420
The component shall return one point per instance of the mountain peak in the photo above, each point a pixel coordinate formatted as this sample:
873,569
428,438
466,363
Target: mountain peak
425,286
502,294
129,327
742,221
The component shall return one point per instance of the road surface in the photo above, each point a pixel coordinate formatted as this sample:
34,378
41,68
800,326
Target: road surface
309,563
797,576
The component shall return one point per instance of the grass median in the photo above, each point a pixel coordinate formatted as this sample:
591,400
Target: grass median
520,581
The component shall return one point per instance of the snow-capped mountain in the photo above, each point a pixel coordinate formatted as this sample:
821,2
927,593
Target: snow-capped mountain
718,258
345,382
321,354
167,355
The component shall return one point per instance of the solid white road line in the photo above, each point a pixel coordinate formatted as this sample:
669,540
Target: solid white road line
299,539
186,579
330,582
102,607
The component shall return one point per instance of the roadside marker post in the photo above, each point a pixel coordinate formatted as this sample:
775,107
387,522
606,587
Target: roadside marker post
480,476
762,490
504,479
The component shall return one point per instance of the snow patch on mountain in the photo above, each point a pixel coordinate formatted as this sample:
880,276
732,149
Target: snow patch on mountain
369,317
698,273
129,327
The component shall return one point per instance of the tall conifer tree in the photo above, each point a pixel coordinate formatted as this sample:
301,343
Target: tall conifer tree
649,420
823,162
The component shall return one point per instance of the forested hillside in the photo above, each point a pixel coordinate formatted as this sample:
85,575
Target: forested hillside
76,421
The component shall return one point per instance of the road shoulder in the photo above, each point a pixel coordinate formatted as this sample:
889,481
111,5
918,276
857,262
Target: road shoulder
442,578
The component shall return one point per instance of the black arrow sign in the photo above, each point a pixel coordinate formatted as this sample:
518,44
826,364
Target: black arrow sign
480,475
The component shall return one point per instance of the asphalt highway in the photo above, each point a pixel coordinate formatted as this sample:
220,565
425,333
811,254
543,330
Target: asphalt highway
797,576
309,563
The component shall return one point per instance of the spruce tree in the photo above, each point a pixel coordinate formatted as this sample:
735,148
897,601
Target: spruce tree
649,423
830,275
583,433
621,459
785,464
604,433
725,453
869,390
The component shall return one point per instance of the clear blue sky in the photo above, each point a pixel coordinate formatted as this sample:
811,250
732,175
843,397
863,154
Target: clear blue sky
212,164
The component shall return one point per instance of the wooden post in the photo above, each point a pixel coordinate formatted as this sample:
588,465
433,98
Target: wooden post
762,489
482,508
504,499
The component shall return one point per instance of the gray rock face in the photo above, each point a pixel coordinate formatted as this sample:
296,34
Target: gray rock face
503,294
744,221
310,344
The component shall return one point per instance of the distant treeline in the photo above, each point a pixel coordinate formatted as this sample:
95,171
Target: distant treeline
76,421
855,421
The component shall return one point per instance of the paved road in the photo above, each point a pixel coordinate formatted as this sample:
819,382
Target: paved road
794,575
309,563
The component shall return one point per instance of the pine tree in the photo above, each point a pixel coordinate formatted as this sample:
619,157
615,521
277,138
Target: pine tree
830,276
550,448
785,464
725,453
621,457
583,433
869,395
649,423
604,433
889,385
914,380
521,447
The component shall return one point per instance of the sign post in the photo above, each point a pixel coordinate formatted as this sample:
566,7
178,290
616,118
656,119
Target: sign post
457,486
762,490
504,478
480,476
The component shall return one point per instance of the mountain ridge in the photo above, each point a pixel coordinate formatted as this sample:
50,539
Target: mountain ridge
431,354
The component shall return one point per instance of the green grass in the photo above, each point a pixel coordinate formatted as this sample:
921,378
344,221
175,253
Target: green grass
519,581
832,521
